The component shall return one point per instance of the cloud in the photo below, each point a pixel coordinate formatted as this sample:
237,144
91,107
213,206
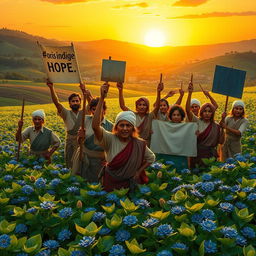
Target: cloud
214,14
189,3
135,5
66,1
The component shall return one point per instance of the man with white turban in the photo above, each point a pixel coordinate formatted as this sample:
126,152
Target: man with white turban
41,138
127,155
235,125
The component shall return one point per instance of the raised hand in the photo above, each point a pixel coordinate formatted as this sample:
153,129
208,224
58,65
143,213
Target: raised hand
160,87
104,90
119,86
190,87
20,123
82,87
49,83
181,92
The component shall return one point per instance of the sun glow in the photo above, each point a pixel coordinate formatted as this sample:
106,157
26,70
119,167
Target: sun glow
154,38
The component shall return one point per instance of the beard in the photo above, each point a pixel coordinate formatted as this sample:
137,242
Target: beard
75,107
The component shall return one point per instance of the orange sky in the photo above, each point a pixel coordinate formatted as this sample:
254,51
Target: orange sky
182,22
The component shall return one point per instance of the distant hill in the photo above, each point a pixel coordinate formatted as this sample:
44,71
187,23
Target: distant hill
19,57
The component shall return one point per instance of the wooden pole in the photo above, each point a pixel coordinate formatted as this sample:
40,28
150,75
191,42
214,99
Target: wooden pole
82,127
161,78
226,104
191,78
21,118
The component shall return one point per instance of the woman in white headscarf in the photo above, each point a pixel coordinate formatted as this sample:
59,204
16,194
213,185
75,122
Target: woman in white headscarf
235,125
127,155
43,142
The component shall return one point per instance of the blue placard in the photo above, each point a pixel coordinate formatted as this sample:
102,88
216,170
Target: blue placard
228,81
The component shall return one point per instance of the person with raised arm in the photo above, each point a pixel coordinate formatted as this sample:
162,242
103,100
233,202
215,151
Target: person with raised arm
235,125
43,141
143,116
209,134
93,156
127,155
72,120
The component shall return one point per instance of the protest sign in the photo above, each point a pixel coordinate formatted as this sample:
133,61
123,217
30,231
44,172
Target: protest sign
60,64
113,71
228,81
174,138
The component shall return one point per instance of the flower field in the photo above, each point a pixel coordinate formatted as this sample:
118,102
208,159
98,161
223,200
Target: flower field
44,210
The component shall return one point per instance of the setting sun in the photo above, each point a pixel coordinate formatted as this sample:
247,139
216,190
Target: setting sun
154,38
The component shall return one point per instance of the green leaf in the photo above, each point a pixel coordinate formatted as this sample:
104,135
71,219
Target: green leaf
160,215
163,186
18,211
7,227
187,230
195,207
121,192
63,252
89,230
115,221
201,249
87,216
244,215
109,209
128,205
134,247
180,196
249,251
105,243
33,244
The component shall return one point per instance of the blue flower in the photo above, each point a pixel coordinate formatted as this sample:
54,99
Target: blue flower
164,230
37,167
208,214
143,203
169,162
230,160
40,183
89,209
224,187
180,246
5,241
206,177
102,193
157,165
65,212
130,220
117,250
31,210
21,182
251,197
64,234
47,205
27,189
44,253
13,162
122,235
8,177
22,199
229,198
229,166
51,244
77,253
150,222
55,182
208,225
104,231
207,186
98,216
229,232
145,189
196,193
92,193
22,254
197,218
54,172
87,241
252,170
176,178
210,246
248,232
21,228
240,158
112,198
73,189
226,207
247,189
164,253
178,209
240,205
235,188
240,240
185,171
64,170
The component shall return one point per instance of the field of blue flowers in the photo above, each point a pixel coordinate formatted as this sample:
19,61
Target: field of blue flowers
44,210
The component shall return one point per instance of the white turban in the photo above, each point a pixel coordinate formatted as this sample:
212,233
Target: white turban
237,103
128,116
40,113
195,101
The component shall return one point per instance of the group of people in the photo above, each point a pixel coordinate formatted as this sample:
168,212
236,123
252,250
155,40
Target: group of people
118,154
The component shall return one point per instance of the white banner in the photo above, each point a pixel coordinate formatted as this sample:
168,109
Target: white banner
60,64
174,138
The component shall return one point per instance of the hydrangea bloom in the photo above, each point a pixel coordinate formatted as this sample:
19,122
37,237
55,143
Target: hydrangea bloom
208,225
164,253
65,212
178,210
248,232
77,253
87,241
210,246
122,235
251,197
46,252
51,244
21,228
150,222
104,231
207,186
241,241
206,177
73,189
5,241
47,205
229,232
180,246
130,220
143,203
164,230
208,214
89,209
98,216
226,207
55,182
145,190
117,250
27,189
64,234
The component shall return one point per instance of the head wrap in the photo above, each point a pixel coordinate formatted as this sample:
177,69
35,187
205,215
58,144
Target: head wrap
204,106
128,116
143,99
40,113
237,103
195,101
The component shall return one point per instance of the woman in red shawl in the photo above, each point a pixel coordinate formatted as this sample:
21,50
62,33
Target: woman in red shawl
127,155
143,116
209,135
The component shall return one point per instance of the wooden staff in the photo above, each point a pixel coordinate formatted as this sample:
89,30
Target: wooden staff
161,78
226,104
82,126
191,78
21,118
